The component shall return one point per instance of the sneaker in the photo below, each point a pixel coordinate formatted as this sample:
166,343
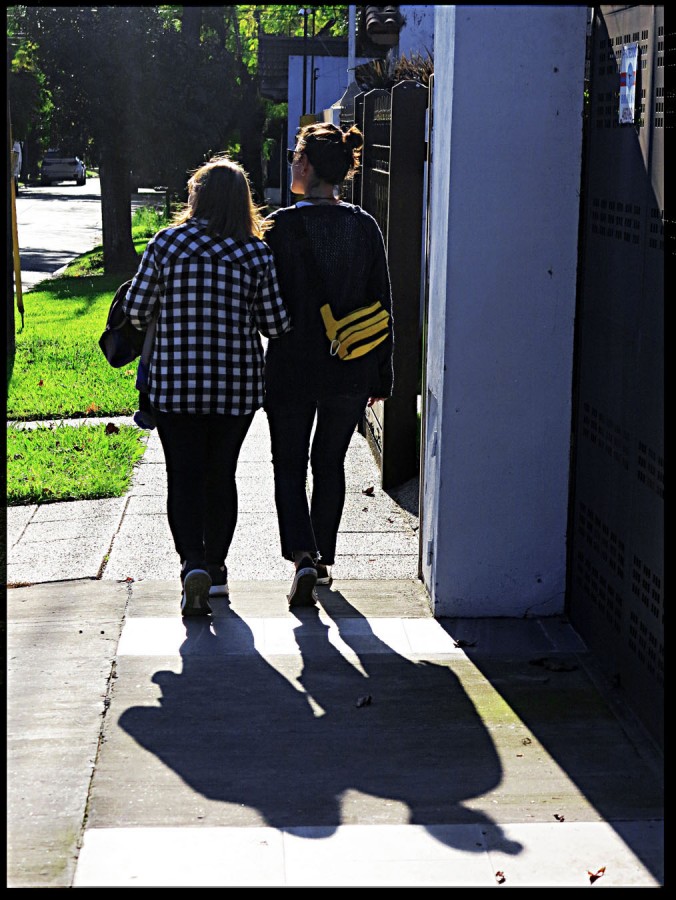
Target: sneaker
196,586
219,581
323,574
302,591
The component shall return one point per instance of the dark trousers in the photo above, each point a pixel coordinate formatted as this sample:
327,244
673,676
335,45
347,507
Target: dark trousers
313,527
201,453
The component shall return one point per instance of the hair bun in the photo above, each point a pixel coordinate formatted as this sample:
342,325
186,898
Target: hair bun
354,138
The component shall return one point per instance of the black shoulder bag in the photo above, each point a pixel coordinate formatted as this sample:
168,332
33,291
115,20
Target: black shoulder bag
120,342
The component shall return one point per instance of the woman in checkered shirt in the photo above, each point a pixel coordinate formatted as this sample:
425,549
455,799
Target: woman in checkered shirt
213,280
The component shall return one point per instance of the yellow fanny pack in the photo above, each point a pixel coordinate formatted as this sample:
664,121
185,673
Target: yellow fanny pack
358,332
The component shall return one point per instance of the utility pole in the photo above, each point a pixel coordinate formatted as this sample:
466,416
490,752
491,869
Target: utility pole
351,39
11,339
304,12
313,71
13,283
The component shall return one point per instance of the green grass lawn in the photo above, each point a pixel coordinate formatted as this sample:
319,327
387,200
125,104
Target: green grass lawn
62,462
59,372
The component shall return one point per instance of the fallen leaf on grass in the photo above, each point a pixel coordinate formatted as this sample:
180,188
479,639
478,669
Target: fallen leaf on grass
594,876
111,428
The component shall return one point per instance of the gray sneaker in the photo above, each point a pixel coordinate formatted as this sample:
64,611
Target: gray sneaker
302,591
196,587
219,581
323,574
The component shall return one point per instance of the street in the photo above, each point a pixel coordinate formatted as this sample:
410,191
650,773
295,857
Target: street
56,224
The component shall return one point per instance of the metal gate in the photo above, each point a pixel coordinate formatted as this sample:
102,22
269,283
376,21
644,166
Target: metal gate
616,527
390,186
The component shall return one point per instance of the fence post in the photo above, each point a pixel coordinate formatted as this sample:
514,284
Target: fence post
392,191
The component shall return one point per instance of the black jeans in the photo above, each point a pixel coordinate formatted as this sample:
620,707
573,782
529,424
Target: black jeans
314,528
201,453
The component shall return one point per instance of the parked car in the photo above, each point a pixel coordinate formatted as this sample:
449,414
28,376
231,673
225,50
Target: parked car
59,166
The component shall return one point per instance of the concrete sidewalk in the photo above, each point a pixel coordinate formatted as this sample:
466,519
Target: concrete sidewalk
359,743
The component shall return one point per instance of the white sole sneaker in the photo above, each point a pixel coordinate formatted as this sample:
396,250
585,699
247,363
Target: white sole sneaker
219,581
196,588
302,591
326,579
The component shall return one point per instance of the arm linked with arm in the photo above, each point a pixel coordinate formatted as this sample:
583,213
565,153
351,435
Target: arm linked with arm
270,313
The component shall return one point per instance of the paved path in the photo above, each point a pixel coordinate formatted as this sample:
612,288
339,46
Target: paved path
362,743
128,537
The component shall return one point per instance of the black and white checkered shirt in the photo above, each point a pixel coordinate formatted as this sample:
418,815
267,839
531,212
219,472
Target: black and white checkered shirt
214,297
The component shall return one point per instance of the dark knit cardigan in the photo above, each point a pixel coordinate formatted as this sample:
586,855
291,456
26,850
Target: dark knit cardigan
350,254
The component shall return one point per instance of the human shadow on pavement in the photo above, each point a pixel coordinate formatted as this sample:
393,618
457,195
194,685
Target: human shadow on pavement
347,734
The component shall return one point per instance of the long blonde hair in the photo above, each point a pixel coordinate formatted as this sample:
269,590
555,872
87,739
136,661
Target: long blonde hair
219,192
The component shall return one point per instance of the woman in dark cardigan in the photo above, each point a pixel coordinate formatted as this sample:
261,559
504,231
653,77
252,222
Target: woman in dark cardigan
326,251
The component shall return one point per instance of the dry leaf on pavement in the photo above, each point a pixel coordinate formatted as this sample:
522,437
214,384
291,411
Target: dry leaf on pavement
594,876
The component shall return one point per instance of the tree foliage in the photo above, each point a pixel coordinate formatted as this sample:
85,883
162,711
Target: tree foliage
153,89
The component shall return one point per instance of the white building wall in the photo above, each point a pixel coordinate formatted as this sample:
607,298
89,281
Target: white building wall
332,79
417,35
505,200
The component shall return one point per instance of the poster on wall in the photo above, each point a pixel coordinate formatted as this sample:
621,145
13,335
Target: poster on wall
628,68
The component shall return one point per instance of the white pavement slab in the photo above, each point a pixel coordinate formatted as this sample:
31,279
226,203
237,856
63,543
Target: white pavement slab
556,855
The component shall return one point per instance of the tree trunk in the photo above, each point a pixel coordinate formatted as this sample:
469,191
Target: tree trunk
191,24
251,139
119,255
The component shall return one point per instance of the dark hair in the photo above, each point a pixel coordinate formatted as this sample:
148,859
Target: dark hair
333,153
219,192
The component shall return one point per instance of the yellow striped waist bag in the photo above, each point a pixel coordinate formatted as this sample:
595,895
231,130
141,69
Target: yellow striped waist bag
358,332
